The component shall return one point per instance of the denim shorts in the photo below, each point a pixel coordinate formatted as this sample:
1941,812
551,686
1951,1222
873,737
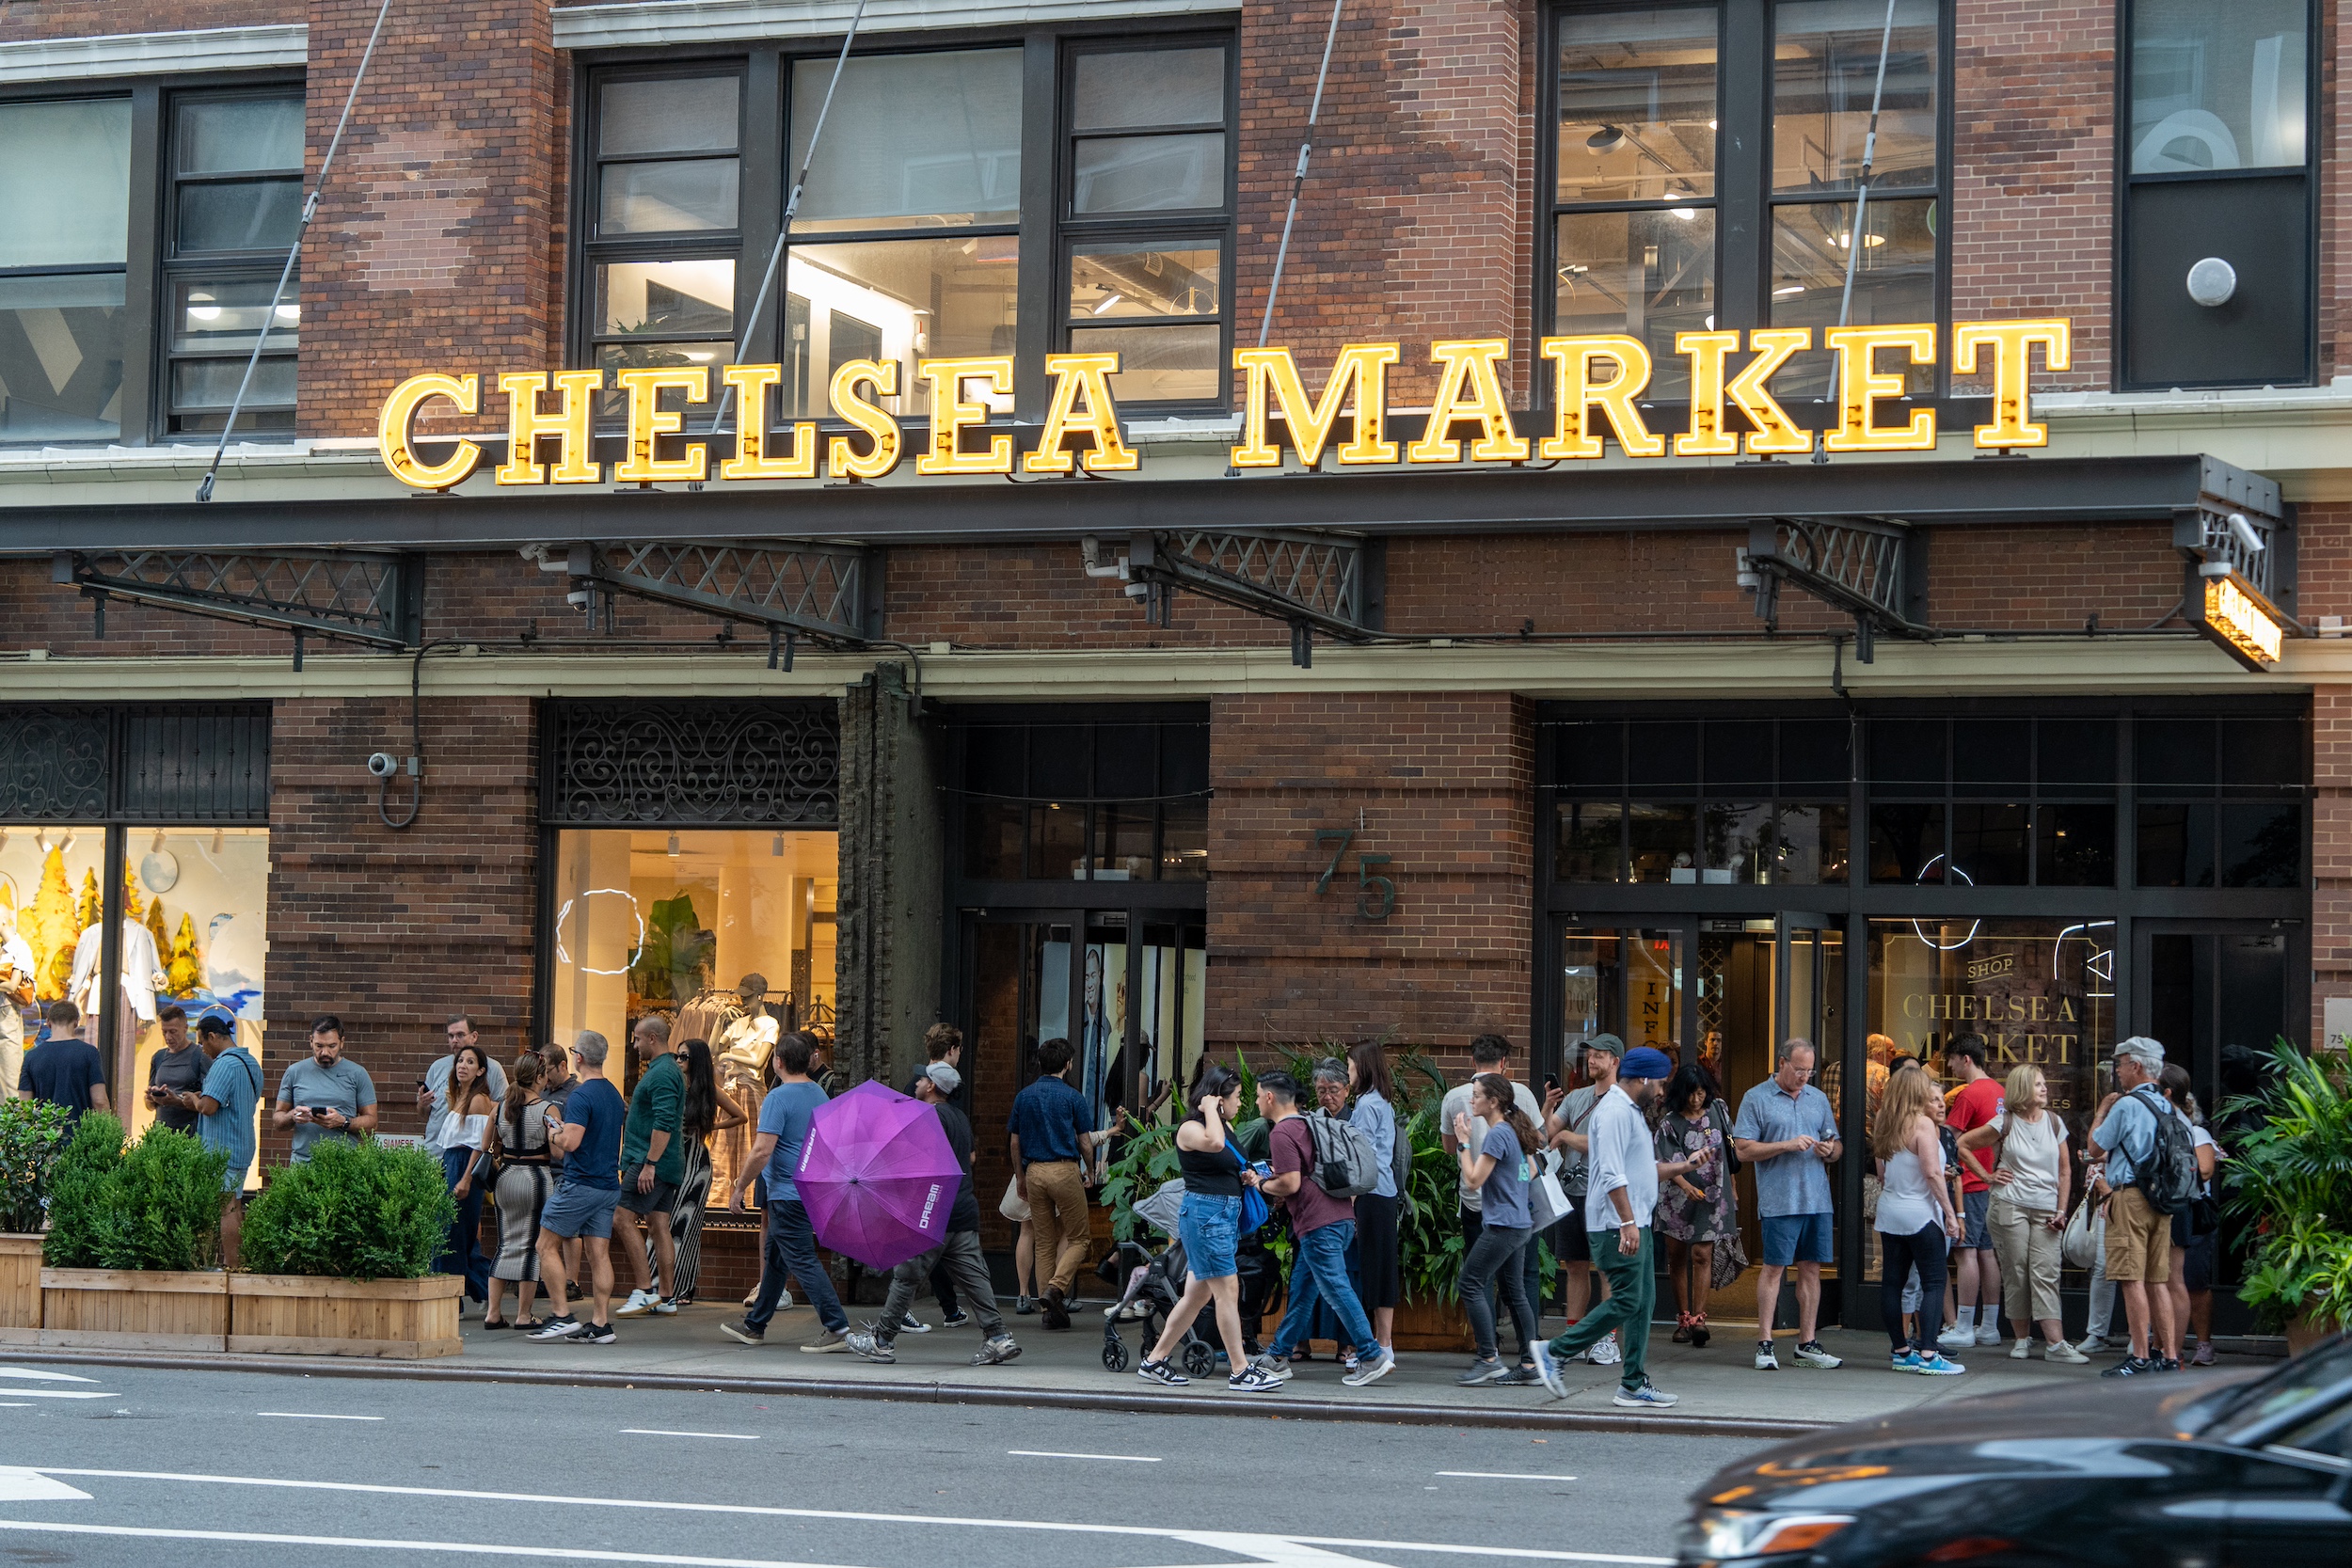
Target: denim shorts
1797,1239
1975,1208
1210,1227
574,1210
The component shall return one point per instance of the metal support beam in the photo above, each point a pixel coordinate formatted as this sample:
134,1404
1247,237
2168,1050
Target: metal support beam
1869,568
1312,582
793,590
354,596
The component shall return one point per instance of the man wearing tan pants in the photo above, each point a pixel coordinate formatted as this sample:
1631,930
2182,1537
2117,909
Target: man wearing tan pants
1051,1144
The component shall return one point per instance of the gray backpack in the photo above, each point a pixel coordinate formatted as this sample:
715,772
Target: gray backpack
1346,1165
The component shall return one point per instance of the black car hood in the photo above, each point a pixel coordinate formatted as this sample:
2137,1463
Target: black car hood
2069,1425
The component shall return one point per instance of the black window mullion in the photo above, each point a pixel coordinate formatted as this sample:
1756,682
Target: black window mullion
1743,167
1035,313
141,421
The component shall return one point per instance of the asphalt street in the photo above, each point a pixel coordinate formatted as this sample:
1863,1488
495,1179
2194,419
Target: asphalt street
104,1465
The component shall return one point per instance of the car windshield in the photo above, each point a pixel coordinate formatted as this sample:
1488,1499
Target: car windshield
2298,1383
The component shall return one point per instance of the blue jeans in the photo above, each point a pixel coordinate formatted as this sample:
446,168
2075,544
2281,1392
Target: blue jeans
461,1254
1320,1271
791,1249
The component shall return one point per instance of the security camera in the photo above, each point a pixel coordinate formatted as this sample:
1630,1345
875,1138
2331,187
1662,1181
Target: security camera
383,764
2247,534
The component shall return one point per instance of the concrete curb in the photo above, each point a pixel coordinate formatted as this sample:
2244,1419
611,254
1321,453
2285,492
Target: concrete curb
1534,1418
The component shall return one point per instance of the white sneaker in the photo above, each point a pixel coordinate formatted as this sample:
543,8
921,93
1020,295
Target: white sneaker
638,1304
1988,1334
2064,1353
2092,1344
1605,1352
1372,1370
2017,1352
1957,1337
1814,1354
1765,1360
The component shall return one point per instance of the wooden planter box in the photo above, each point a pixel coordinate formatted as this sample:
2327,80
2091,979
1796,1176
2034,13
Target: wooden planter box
133,1309
20,1290
285,1314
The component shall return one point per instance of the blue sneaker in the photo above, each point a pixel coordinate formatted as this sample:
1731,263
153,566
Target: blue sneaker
1934,1363
1547,1372
1905,1361
1645,1396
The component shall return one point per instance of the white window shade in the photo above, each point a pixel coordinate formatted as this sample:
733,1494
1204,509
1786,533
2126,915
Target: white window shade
912,141
65,182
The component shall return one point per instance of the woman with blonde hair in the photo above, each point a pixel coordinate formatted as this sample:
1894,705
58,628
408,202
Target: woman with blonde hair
1916,1223
2027,1217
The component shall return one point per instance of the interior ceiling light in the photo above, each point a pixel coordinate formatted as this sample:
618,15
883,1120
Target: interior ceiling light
1108,300
1603,140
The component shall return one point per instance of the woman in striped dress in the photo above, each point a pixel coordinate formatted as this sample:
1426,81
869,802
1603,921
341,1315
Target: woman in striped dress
706,1113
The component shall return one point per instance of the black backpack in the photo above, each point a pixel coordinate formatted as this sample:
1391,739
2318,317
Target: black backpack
2167,1178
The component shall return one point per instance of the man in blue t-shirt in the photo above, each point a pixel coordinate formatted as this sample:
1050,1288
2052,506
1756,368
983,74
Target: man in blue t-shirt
1052,1148
65,1068
224,1106
588,1131
790,1243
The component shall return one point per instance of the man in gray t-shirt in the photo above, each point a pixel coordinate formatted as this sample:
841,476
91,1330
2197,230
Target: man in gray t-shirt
323,1094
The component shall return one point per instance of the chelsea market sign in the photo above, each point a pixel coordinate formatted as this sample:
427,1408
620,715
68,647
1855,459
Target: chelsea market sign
1596,380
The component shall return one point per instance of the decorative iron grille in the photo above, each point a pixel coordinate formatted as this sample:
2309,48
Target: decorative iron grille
52,764
97,763
693,764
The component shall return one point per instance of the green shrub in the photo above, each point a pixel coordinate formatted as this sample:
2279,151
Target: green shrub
33,1135
356,1211
154,1205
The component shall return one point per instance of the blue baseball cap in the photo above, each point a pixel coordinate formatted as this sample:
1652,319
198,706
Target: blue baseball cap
1645,1062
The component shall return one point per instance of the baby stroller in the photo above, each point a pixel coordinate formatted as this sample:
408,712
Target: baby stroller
1154,1284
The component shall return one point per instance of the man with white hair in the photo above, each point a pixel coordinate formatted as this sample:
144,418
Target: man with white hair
588,1131
2140,1236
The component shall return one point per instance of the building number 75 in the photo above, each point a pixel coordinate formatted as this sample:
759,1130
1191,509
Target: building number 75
1370,888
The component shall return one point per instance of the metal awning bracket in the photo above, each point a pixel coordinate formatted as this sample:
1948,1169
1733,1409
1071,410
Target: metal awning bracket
791,588
363,596
1871,568
1312,582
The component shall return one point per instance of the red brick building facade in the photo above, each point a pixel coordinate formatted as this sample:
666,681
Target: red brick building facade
1636,762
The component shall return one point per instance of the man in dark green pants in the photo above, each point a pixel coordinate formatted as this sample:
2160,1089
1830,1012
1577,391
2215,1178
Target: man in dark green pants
1621,1194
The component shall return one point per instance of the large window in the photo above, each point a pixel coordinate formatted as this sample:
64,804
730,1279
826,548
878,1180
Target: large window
1758,802
2216,194
1670,116
235,203
731,933
65,184
1116,803
1992,802
912,241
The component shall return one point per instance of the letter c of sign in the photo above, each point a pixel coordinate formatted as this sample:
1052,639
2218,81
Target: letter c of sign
399,412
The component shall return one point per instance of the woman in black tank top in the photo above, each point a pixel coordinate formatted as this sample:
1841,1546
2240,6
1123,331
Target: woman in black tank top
1210,1227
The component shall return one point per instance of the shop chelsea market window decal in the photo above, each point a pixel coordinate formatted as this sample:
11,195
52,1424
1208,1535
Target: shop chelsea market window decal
1595,378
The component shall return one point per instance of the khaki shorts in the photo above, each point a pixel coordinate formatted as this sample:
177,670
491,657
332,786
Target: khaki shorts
2140,1240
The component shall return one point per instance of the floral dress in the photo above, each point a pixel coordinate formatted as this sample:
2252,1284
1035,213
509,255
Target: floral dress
1680,1215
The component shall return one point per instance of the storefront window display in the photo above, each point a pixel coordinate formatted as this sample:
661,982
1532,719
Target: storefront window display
730,932
193,909
2038,991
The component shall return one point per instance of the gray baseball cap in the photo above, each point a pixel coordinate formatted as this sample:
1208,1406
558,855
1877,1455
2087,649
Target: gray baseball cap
945,1078
2147,1052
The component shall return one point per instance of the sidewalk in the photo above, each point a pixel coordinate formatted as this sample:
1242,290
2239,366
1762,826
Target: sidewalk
1718,1386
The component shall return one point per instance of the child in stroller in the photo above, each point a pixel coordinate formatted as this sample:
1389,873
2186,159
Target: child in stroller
1154,1283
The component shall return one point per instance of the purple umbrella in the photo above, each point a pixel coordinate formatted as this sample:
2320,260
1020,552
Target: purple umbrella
876,1177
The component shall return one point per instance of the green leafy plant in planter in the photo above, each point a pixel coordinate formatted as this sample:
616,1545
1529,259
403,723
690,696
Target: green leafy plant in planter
150,1205
33,1136
354,1210
2289,1175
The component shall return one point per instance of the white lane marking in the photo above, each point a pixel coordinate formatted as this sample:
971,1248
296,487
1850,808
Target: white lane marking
1500,1475
766,1511
313,1416
40,1376
30,1486
479,1548
15,1404
658,1432
1051,1454
60,1394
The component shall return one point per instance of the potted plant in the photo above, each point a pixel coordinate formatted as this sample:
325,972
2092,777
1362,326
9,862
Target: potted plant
340,1252
2290,1177
134,1243
32,1134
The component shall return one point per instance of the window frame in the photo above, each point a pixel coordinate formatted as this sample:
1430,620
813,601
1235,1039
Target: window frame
1744,202
2126,181
128,269
229,266
1040,288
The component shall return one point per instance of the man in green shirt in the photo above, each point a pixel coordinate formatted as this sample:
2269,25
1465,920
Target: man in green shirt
653,1162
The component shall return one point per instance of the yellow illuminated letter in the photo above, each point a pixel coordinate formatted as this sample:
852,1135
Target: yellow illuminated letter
1469,388
751,384
1861,385
648,421
1751,391
1576,393
951,414
1361,371
576,462
1707,352
394,441
1081,377
842,460
2012,394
